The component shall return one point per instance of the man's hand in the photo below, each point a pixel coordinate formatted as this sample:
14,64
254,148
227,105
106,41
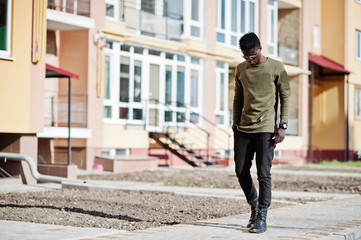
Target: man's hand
280,135
234,127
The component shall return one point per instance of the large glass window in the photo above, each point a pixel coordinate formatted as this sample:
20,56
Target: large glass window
124,79
234,18
137,81
107,77
358,45
180,86
272,16
5,27
358,103
151,87
168,85
194,88
221,110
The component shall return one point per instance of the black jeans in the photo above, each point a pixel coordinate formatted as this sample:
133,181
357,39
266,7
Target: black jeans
245,146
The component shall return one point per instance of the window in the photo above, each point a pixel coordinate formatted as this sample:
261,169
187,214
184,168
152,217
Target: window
358,45
221,109
148,6
272,16
316,37
5,27
221,33
358,103
196,20
150,87
107,87
180,86
173,9
107,77
111,10
234,18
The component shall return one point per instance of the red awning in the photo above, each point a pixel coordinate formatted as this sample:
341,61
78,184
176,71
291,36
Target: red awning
54,72
327,63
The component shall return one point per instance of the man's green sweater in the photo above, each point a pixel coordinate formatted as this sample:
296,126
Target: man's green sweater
256,95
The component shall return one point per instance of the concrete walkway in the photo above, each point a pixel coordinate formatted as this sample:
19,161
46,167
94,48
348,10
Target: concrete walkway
337,218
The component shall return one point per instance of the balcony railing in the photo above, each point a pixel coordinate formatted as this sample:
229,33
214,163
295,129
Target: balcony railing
166,26
77,7
289,56
56,109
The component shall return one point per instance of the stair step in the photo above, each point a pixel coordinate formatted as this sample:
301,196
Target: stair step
209,160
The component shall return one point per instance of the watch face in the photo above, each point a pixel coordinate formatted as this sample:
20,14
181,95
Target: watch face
283,125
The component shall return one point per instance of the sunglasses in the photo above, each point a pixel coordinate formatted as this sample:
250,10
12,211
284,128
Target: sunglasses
252,57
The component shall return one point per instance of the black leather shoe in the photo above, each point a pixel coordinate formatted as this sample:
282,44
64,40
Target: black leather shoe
260,225
254,212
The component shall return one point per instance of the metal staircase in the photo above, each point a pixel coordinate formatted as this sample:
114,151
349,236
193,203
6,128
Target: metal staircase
4,174
179,149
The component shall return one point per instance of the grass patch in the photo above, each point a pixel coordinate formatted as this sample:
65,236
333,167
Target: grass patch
341,164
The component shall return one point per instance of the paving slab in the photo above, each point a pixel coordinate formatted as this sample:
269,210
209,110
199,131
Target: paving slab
336,219
12,230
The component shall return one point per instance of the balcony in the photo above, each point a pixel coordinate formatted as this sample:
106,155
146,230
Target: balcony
288,55
165,25
69,15
56,109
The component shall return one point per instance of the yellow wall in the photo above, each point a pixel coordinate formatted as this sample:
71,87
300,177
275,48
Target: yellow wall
15,77
333,30
115,136
353,22
223,139
328,115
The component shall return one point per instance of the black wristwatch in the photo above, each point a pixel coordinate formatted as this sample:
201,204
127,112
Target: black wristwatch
283,126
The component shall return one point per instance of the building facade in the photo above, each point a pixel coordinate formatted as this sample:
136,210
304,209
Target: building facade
156,78
336,92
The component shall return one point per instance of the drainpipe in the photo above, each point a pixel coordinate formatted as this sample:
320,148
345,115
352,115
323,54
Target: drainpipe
346,123
33,169
69,121
310,155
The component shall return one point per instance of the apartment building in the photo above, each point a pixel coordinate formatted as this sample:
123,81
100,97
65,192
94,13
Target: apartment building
48,59
169,67
336,124
145,79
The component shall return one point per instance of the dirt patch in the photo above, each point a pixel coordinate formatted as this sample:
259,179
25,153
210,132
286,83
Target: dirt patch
227,179
136,210
114,209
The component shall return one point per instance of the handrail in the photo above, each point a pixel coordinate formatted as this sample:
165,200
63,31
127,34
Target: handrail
33,168
171,106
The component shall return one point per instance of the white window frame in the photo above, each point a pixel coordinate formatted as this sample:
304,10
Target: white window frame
219,28
189,22
115,4
272,28
228,17
6,53
115,55
316,37
108,102
358,45
225,111
358,103
197,67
